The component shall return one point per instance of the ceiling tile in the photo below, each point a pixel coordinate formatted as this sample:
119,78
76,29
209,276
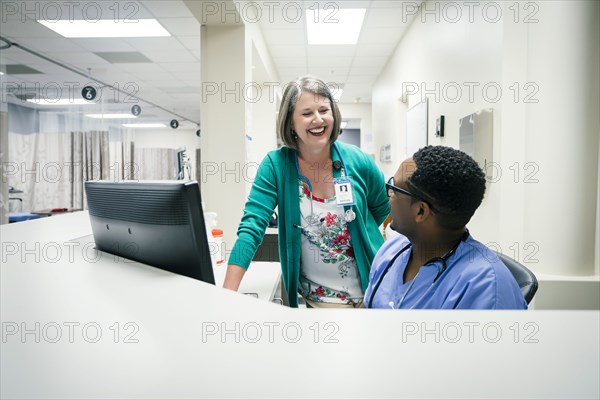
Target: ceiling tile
52,44
157,96
347,3
173,86
167,9
375,50
285,37
18,55
326,74
119,76
388,4
113,10
172,79
286,62
123,57
187,69
6,59
284,51
357,86
364,70
380,36
14,29
181,26
103,44
363,78
278,16
48,82
290,74
318,51
391,17
369,62
171,56
135,68
80,59
155,44
49,68
21,69
190,42
330,62
191,98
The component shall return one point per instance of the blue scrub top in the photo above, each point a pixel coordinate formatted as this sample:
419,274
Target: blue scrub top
475,278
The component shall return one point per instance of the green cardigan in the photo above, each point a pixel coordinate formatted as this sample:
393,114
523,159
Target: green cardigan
276,184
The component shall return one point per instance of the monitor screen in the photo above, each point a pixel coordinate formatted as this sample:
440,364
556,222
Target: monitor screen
158,223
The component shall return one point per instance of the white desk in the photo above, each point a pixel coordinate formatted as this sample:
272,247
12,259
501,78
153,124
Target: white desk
67,239
109,330
261,280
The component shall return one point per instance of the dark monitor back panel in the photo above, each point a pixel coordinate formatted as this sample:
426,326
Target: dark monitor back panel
159,223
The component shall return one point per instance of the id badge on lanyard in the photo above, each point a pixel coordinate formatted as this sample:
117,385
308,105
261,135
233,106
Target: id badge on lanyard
343,191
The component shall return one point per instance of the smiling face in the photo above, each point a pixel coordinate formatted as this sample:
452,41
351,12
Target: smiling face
312,120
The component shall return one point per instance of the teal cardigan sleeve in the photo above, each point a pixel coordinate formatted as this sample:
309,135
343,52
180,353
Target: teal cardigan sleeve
257,213
377,200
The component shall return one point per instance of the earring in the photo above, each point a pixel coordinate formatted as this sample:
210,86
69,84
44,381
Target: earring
294,134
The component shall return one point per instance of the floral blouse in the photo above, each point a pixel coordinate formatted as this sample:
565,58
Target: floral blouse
328,269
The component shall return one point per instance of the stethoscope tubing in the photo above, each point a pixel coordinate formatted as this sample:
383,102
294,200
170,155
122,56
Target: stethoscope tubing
385,271
306,180
442,259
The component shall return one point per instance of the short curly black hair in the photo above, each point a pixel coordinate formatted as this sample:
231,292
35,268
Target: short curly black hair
451,181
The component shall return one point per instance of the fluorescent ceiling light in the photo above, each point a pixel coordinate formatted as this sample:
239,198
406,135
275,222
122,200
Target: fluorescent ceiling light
343,27
106,28
111,116
60,102
147,125
343,124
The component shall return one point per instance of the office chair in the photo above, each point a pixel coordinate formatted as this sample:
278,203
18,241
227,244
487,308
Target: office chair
524,277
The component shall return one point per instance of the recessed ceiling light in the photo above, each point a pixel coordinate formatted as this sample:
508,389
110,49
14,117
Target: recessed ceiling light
106,28
111,116
341,28
60,102
1,73
343,124
147,125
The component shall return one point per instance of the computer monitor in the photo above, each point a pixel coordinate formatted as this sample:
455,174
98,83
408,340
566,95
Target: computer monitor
159,223
180,163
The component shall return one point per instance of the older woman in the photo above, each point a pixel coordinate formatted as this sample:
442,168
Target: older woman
328,236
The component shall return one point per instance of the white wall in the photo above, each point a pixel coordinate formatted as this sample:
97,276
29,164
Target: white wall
362,111
3,159
542,213
437,58
262,105
262,137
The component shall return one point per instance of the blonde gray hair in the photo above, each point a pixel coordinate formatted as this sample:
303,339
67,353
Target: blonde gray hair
291,94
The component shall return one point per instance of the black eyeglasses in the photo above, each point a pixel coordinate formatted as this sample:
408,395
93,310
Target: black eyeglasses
390,186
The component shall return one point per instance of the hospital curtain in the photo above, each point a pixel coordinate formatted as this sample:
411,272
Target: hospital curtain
154,163
51,168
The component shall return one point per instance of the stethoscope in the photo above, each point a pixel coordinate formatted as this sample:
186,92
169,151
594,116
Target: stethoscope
337,165
442,259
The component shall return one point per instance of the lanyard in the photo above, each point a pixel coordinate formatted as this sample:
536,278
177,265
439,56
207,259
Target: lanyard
306,180
350,215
